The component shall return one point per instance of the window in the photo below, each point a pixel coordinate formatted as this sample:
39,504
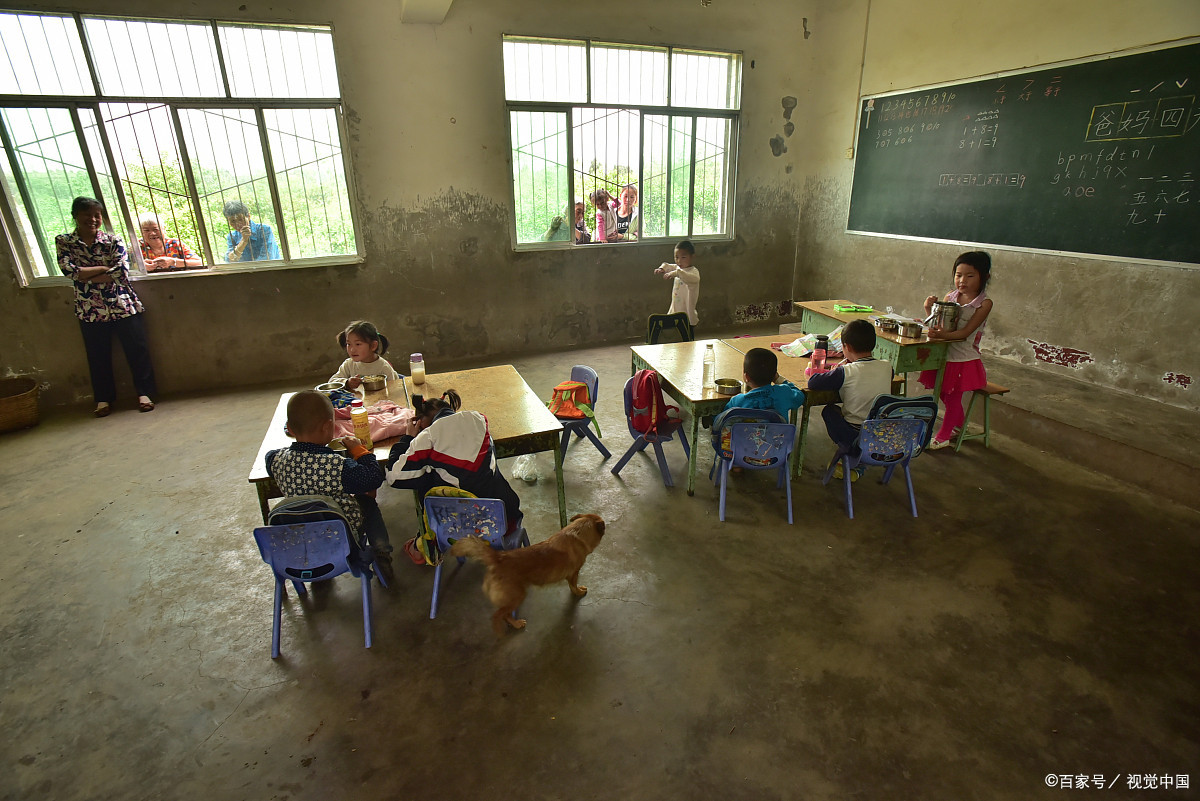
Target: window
586,116
248,115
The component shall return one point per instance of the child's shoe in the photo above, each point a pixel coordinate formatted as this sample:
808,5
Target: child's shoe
383,564
937,444
855,473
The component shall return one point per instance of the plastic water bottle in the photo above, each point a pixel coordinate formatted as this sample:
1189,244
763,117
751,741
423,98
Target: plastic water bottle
416,367
819,353
362,424
710,366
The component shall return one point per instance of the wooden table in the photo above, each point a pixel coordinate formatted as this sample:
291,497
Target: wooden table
680,367
905,354
518,420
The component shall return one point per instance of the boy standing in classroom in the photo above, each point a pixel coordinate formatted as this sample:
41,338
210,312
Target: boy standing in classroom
686,290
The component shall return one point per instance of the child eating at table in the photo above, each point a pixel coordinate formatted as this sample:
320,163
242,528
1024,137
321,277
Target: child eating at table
759,370
964,364
858,379
364,347
310,467
686,290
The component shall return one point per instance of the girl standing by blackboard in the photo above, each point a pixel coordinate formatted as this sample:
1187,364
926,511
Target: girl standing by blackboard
964,365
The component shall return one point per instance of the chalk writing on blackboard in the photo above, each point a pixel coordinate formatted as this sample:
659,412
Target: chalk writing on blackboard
1141,119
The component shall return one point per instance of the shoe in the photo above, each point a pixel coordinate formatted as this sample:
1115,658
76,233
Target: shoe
103,410
938,444
414,553
146,406
383,564
855,472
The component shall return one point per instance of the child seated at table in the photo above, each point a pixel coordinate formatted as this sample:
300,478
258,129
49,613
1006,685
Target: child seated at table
858,379
759,370
444,447
310,467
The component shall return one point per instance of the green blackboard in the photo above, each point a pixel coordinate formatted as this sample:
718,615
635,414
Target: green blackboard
1097,157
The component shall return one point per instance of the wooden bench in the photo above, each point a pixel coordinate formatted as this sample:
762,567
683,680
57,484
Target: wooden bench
987,392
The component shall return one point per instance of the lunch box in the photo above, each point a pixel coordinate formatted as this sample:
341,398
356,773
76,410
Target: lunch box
374,383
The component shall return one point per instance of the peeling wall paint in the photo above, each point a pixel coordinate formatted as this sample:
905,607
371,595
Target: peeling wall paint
1055,354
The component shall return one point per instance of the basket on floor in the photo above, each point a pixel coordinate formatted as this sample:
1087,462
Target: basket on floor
18,403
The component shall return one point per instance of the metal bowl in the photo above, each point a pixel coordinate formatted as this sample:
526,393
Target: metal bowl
889,325
728,386
374,383
330,386
910,330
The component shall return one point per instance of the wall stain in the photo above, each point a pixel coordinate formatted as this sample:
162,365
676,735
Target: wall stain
1178,379
777,146
1054,354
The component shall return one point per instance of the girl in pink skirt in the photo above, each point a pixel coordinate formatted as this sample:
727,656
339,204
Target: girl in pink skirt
964,366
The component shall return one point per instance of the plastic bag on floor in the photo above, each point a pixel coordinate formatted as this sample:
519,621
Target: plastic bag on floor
525,468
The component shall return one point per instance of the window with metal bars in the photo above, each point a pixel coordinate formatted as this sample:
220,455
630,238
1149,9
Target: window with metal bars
198,131
620,142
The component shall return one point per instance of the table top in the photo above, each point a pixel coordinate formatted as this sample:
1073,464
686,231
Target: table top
825,309
511,407
790,367
681,364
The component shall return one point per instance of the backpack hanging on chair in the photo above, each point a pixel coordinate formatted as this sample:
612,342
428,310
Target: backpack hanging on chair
649,410
570,399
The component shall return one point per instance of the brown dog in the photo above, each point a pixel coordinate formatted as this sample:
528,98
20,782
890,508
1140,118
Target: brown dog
511,573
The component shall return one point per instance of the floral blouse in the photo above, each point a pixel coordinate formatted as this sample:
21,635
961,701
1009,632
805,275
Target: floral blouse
98,303
171,247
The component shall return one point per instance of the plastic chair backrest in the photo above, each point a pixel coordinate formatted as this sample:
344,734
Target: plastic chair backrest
306,551
761,446
455,518
721,426
887,442
585,374
891,407
655,324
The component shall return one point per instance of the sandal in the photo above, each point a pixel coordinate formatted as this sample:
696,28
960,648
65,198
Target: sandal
103,410
146,406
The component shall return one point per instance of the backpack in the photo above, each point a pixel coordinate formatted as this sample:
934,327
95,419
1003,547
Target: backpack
570,400
923,408
648,410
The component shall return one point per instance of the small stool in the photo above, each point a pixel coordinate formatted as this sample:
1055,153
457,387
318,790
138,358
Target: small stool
987,392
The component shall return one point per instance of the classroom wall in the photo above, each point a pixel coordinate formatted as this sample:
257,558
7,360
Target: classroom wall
1115,324
430,162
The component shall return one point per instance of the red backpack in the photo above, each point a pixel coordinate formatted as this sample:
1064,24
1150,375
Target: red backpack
648,410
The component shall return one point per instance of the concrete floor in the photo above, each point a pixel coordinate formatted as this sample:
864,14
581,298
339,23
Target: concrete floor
1036,619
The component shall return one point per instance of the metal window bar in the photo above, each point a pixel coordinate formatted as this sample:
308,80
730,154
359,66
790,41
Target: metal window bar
112,166
281,228
18,175
193,193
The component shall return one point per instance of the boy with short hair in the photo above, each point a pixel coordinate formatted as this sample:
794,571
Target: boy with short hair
858,379
759,370
310,467
686,290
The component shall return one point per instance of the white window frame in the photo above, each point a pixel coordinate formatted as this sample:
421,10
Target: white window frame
570,109
21,249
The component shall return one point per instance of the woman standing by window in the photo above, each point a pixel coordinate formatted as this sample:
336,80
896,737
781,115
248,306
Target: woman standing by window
105,303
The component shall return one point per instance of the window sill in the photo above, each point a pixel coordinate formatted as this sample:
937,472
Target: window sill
221,269
658,241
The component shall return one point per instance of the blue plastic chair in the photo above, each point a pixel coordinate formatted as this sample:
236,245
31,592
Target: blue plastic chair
582,426
307,552
885,443
922,407
640,440
722,435
457,518
657,323
760,446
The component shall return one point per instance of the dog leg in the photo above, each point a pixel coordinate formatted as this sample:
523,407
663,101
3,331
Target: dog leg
573,582
503,616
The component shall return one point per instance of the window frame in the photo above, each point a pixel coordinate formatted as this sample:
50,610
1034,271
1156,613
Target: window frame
571,109
124,225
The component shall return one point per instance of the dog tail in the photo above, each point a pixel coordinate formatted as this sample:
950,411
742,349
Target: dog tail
474,548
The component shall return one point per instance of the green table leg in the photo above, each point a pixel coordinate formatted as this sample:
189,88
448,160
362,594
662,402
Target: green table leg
691,482
798,456
562,492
